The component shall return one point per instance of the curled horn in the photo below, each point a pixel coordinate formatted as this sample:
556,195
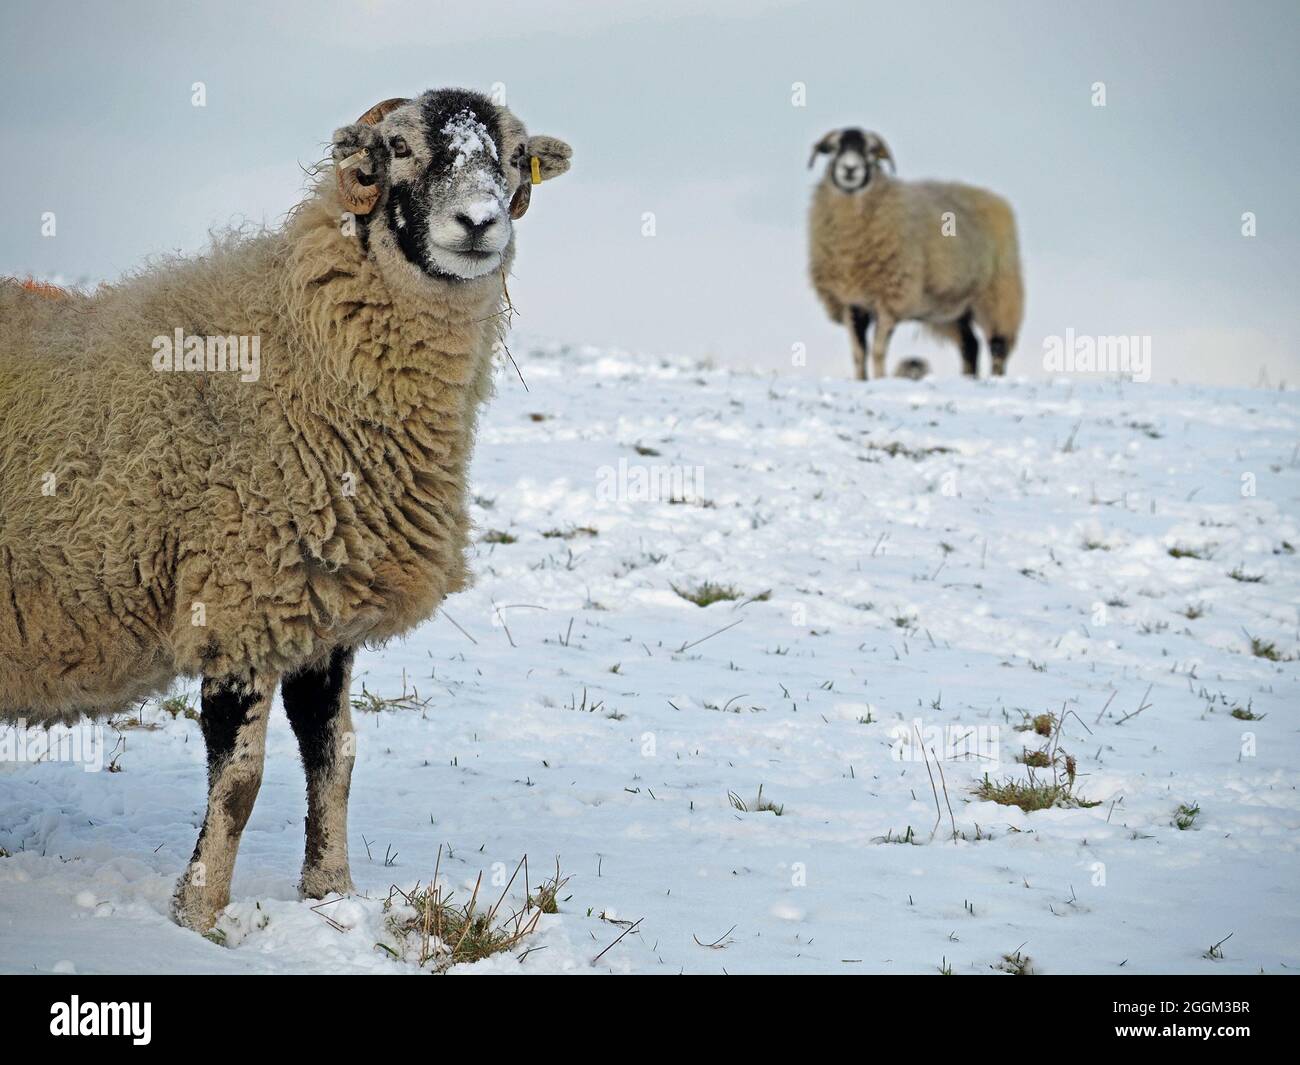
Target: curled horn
878,150
360,198
524,193
826,144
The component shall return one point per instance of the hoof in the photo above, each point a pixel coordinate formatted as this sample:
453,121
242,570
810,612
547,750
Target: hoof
196,908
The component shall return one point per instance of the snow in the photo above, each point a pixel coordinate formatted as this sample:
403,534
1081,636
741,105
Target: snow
939,558
468,137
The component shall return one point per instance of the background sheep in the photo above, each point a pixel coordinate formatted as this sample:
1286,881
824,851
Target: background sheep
156,524
890,251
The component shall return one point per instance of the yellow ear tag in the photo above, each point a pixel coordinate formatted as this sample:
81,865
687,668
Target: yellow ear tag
537,170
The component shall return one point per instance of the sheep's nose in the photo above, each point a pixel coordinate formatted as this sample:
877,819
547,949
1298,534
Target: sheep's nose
476,228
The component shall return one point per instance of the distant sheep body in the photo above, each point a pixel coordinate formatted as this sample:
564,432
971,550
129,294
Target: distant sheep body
161,516
885,251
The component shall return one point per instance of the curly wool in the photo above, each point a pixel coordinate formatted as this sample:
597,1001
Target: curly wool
156,524
884,249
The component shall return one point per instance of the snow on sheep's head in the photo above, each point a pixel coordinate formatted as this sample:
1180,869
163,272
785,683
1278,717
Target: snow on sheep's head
856,157
440,179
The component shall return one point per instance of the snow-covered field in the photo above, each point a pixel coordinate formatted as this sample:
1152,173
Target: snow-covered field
946,559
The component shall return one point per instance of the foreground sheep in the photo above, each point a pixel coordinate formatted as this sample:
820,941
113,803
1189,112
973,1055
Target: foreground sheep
161,515
891,251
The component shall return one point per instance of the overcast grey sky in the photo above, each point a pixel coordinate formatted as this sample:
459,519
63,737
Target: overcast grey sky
1130,214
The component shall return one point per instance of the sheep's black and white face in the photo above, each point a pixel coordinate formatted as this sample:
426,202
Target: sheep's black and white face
850,169
856,157
448,195
448,163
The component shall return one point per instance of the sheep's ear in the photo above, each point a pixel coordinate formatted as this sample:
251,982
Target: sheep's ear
360,164
824,146
552,156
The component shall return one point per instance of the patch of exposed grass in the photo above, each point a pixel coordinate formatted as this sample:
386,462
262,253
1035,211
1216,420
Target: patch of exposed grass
1034,793
1193,611
1246,713
441,932
570,533
1264,649
894,449
1016,964
707,593
1237,573
180,706
498,536
1029,795
1042,724
1183,551
642,449
1185,816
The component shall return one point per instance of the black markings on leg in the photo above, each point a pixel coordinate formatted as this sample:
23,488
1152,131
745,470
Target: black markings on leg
861,323
970,346
233,722
226,710
316,700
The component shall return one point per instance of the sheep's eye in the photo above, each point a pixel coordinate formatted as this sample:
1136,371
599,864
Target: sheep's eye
398,144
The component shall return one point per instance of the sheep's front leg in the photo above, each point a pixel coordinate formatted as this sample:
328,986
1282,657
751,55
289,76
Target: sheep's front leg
858,319
880,343
233,721
316,701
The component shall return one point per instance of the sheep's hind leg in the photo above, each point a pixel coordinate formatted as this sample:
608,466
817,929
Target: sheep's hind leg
998,349
859,321
316,701
233,721
970,347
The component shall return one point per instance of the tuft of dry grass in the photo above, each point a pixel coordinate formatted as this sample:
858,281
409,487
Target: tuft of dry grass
1043,724
1034,793
442,932
760,805
1029,795
497,536
368,702
1016,964
707,593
